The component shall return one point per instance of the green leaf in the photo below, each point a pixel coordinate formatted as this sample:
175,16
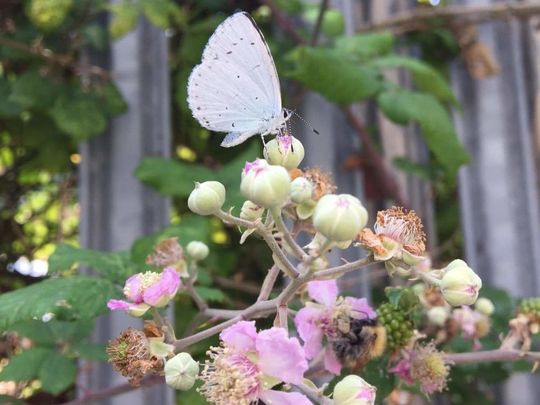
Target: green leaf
190,228
116,266
72,332
365,46
8,108
91,351
404,298
376,374
333,23
25,365
37,331
7,400
160,12
333,74
426,78
32,90
68,298
176,178
124,17
404,106
113,102
211,294
57,373
79,115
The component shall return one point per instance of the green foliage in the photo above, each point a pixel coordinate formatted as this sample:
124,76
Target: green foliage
25,365
403,107
116,266
365,46
67,298
211,294
57,373
377,375
332,73
176,178
333,23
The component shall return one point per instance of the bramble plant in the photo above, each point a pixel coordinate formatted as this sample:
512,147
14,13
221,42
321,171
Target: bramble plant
331,333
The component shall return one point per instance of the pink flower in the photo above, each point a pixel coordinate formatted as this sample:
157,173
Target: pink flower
324,318
149,289
248,364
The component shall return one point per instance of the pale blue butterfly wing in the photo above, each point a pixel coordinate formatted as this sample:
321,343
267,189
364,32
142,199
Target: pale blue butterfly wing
235,88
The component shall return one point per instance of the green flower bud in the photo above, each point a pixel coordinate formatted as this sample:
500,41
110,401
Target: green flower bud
354,390
301,190
251,211
286,151
264,184
460,284
437,315
484,306
48,14
339,217
207,198
197,250
181,372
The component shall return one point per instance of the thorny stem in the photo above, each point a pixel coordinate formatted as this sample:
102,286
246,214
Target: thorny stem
288,267
282,228
199,301
268,283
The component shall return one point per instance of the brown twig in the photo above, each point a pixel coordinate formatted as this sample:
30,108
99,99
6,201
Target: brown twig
114,391
422,18
284,22
62,60
318,24
492,355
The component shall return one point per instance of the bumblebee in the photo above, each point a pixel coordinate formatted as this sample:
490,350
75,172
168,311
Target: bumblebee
357,341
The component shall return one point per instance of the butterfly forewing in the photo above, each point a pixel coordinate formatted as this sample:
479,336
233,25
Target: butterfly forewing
235,88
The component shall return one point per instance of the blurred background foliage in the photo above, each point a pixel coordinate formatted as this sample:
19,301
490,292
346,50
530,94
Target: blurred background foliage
51,99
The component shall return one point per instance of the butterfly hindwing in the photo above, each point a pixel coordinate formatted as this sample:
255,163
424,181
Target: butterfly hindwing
235,88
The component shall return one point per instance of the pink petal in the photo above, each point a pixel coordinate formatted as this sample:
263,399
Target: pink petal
240,336
272,397
118,304
331,362
133,287
164,289
361,307
324,291
280,356
310,333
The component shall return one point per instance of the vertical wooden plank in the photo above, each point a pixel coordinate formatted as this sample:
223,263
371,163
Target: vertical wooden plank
499,189
116,208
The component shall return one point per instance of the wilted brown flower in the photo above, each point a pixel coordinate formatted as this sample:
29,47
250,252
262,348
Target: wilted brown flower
322,182
130,355
168,253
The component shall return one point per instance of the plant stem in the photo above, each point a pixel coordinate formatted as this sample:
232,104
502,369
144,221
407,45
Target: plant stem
268,283
318,24
338,271
282,228
492,355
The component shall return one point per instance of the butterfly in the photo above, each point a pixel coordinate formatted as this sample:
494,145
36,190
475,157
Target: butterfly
235,88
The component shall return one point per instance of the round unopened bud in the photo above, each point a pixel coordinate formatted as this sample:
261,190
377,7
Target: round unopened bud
301,190
264,184
354,390
437,315
181,372
197,250
484,306
207,198
339,217
286,151
460,284
251,211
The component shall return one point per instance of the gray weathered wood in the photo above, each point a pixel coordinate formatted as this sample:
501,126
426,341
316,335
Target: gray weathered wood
499,189
116,208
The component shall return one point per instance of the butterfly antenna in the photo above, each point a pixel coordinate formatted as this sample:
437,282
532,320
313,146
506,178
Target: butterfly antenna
292,112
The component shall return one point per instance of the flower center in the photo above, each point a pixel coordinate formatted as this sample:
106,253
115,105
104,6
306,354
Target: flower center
145,280
230,378
402,226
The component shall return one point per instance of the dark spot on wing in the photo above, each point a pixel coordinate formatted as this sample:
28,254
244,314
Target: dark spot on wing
233,124
252,43
238,76
256,98
228,53
234,43
241,39
198,108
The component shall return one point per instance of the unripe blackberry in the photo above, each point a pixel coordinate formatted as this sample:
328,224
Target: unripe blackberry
398,324
531,307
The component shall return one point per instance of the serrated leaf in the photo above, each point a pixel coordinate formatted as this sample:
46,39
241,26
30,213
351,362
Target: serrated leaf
334,75
79,115
57,373
425,77
71,332
116,266
37,331
404,106
68,298
211,294
25,365
365,46
91,351
32,90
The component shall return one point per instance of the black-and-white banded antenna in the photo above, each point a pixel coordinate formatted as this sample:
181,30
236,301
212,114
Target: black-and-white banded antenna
292,112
